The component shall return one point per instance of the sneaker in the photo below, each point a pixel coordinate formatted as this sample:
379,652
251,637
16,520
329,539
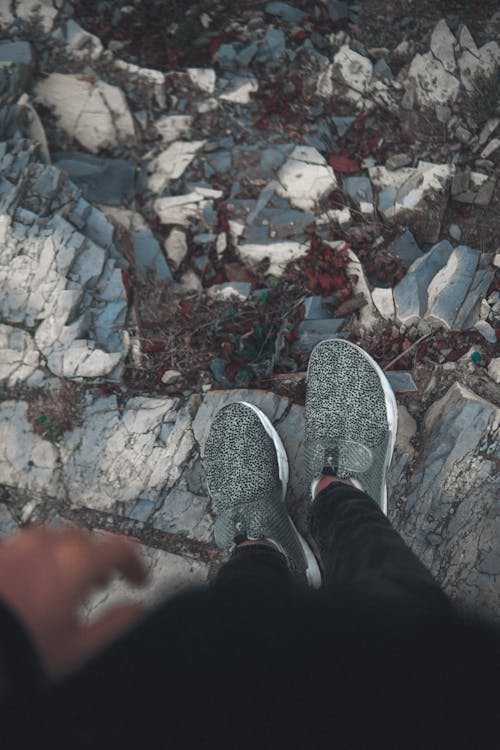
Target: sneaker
247,476
350,419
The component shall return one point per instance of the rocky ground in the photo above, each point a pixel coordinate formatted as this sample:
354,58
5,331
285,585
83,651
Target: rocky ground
191,198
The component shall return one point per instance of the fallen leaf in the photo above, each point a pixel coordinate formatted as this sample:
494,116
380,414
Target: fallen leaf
344,164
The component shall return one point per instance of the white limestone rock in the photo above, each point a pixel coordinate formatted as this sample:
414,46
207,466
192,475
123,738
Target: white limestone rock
239,91
43,12
176,246
173,127
473,68
95,113
203,78
190,282
80,43
367,316
305,178
19,358
152,80
182,209
278,253
349,76
121,454
443,44
432,83
406,188
494,369
127,218
28,462
450,285
171,163
383,299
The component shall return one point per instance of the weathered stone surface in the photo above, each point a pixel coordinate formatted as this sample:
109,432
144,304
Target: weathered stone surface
109,181
149,255
176,246
173,127
239,90
451,515
442,46
359,189
349,77
80,43
432,83
383,299
302,181
19,358
278,253
405,248
203,78
285,11
62,281
168,575
42,12
494,369
185,209
448,288
238,289
95,113
470,309
411,293
27,462
171,163
318,307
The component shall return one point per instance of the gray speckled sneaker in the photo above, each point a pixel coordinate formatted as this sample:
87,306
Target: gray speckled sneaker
247,476
350,418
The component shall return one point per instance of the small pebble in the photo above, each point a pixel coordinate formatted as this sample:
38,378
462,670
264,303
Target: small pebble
455,232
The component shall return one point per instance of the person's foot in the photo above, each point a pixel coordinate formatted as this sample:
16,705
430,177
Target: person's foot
247,476
350,419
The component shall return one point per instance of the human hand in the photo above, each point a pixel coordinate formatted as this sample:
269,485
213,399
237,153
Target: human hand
47,573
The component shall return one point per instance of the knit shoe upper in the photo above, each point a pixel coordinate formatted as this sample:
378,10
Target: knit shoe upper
350,418
247,475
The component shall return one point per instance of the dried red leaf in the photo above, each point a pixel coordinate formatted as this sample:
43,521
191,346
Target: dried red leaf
344,164
215,43
261,124
158,347
185,309
238,272
300,36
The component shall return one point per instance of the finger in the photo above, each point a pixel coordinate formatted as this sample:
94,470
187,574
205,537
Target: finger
116,554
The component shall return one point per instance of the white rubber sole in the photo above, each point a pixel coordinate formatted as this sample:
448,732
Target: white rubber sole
390,403
312,568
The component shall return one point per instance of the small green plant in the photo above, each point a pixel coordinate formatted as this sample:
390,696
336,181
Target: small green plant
51,429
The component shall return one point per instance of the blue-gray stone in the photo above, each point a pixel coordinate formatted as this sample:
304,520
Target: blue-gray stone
311,332
257,233
99,229
321,138
271,159
101,180
247,54
220,161
263,200
183,513
288,223
204,238
386,199
470,309
201,263
382,70
273,45
317,307
359,189
138,510
16,52
148,254
445,303
221,144
7,523
337,9
226,57
286,12
401,381
342,123
108,324
410,294
486,330
79,215
47,181
405,248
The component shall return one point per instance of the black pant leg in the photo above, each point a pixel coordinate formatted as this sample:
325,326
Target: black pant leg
254,569
361,552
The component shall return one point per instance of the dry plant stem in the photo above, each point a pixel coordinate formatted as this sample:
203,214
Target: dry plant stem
403,354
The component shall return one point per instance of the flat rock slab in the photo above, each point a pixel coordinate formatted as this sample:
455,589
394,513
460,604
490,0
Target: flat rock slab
109,181
451,515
